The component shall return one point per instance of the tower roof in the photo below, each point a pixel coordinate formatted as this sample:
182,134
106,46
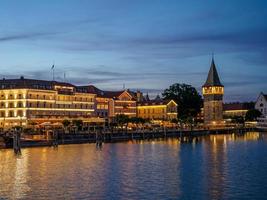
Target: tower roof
213,77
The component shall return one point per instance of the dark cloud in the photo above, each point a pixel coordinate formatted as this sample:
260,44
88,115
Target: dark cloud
42,33
23,36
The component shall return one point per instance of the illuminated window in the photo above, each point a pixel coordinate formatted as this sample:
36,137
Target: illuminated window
11,114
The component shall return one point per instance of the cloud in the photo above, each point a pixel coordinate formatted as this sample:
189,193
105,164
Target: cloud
42,33
23,36
175,45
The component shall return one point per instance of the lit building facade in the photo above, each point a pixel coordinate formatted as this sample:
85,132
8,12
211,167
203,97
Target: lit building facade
157,109
112,103
27,101
237,109
213,92
123,102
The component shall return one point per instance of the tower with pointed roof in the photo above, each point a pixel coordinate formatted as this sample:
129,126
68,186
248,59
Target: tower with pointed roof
213,92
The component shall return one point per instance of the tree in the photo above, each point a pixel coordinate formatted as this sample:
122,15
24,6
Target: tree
121,119
137,120
174,120
78,123
65,123
238,120
252,115
187,97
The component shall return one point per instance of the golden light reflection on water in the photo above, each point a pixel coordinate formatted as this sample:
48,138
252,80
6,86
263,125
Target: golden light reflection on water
126,169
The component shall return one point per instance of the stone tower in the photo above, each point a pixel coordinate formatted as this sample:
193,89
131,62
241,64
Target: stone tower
213,91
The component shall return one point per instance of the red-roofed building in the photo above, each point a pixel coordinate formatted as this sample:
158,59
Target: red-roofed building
112,103
237,109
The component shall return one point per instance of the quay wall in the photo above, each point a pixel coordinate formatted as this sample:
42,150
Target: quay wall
79,138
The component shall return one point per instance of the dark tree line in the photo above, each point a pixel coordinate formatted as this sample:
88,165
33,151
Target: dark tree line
188,99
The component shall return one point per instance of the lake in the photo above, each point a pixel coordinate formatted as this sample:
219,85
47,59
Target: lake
214,167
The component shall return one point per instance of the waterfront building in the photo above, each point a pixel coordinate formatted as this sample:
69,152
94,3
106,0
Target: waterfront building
261,105
112,103
157,109
103,107
237,109
213,92
28,101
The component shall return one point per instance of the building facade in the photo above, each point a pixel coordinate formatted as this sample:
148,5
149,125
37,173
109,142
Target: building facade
27,101
261,104
157,109
112,103
213,92
237,109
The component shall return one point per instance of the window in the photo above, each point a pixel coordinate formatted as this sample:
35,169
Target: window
19,104
10,114
20,113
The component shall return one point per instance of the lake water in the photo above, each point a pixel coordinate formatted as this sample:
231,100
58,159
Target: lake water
215,167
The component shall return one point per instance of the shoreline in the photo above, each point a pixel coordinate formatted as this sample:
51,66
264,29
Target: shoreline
78,138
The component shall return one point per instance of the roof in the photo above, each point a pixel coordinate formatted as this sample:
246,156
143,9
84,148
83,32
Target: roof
213,77
238,106
264,96
89,89
103,93
30,83
155,102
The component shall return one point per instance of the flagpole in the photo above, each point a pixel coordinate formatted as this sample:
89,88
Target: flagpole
53,71
53,74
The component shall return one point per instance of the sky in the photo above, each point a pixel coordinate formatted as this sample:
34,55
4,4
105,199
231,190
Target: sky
142,44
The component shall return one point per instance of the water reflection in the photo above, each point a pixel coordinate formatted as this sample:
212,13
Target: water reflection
216,158
212,167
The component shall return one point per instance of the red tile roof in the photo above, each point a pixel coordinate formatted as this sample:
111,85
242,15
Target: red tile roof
238,106
105,94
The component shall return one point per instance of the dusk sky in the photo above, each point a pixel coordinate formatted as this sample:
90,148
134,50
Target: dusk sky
144,44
